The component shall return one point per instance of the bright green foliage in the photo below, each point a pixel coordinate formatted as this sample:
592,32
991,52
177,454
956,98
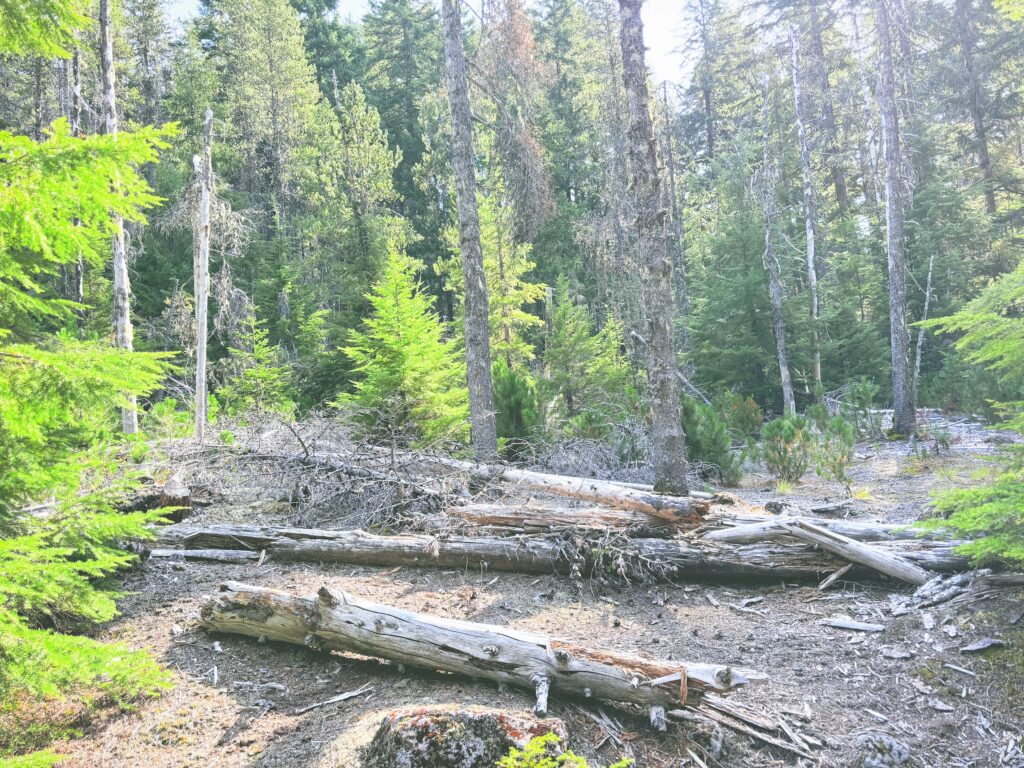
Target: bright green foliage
516,407
542,752
741,414
506,266
57,198
833,452
411,381
262,383
991,328
40,27
44,759
787,444
709,443
588,382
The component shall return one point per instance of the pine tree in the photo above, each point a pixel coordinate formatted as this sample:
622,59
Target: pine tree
410,385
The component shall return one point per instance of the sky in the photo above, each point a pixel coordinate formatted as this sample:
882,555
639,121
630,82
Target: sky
663,30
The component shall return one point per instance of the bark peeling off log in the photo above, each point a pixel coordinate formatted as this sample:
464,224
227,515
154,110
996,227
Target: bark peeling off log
333,620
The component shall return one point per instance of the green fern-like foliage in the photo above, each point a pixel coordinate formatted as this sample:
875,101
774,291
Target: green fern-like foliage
542,752
411,380
990,329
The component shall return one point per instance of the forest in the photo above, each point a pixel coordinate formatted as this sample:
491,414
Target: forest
414,385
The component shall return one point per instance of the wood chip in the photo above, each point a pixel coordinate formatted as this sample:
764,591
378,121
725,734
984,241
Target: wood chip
983,645
859,626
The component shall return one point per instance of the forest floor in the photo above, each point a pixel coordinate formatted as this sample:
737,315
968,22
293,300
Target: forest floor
234,698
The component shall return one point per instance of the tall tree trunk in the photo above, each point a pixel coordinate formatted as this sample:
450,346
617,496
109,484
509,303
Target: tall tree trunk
810,208
71,108
669,442
828,110
707,78
919,348
904,420
678,248
122,317
974,101
764,182
203,166
870,153
476,325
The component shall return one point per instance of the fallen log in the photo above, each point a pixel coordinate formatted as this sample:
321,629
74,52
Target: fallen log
857,552
640,558
534,517
678,509
739,528
334,620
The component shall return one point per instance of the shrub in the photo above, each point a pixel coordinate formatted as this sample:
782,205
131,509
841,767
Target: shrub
515,403
786,447
708,441
542,752
834,450
741,414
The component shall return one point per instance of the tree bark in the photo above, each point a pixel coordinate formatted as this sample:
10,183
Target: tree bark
668,441
203,166
636,559
531,517
334,620
122,318
919,347
682,294
975,101
828,111
765,182
810,207
476,323
904,418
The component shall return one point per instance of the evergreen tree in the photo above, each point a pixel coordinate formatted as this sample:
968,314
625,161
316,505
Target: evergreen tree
410,385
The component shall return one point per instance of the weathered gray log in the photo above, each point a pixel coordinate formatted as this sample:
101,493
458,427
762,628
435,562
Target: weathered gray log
535,517
678,509
747,529
334,620
857,552
652,558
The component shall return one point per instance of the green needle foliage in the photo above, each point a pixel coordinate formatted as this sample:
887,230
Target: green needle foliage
411,381
541,752
990,330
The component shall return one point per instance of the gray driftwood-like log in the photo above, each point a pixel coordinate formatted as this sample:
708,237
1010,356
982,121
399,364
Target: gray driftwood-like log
649,558
748,529
678,509
334,620
535,517
857,552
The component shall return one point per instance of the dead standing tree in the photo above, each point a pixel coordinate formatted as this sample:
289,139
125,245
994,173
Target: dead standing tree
203,166
122,318
668,440
764,188
903,417
476,325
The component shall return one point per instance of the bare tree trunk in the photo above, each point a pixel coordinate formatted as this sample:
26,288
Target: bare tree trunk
71,106
974,102
919,348
872,191
122,317
810,208
669,442
203,166
764,183
904,419
828,111
476,325
678,250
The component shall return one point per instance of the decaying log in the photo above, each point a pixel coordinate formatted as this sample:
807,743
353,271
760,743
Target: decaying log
172,494
740,528
678,509
651,558
334,620
857,552
535,517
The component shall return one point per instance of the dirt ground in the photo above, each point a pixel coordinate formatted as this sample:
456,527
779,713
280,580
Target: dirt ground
234,698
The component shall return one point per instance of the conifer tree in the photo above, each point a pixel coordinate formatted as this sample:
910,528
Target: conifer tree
410,385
